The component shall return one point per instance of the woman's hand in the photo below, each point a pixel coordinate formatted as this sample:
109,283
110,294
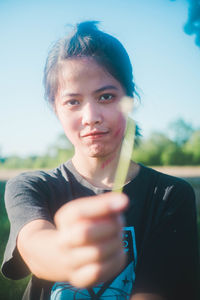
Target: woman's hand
84,247
90,238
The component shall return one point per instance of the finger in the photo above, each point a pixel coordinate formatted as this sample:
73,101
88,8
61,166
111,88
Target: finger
94,253
94,273
86,232
91,207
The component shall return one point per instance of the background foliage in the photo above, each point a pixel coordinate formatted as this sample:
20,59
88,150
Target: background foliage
180,145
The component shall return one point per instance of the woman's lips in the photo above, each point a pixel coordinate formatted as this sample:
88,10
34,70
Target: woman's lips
94,134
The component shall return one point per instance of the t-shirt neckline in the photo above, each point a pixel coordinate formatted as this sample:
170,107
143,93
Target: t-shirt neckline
96,189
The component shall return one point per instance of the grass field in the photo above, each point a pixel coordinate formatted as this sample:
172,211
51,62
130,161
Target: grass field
13,290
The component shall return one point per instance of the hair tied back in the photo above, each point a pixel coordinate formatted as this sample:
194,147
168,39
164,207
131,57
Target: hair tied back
87,27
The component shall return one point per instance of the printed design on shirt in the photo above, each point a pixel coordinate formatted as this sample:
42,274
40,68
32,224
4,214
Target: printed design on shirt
119,288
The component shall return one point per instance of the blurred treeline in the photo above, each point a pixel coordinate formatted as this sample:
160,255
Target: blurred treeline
178,145
56,154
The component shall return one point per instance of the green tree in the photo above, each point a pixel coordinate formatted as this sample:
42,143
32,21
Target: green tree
192,147
180,131
192,25
173,155
13,162
150,150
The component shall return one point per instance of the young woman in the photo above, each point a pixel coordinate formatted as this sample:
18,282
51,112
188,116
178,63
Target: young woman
67,227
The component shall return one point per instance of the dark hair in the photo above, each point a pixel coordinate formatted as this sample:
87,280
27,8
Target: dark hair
88,40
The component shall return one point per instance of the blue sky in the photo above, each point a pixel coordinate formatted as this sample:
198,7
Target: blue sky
166,63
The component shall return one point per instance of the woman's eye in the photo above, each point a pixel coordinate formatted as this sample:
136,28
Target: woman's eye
72,102
106,97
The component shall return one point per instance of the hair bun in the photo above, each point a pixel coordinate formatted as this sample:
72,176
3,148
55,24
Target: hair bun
87,27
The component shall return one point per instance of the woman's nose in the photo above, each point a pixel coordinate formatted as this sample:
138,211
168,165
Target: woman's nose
91,114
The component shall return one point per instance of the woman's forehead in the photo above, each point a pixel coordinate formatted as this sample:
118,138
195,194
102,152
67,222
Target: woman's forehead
75,66
77,72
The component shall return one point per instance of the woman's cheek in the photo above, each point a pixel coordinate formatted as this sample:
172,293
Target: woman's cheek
71,130
121,125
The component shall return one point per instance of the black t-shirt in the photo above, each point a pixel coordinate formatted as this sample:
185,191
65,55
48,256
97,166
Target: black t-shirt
160,236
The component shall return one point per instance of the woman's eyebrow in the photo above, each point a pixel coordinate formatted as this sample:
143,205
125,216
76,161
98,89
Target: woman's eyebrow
70,95
104,88
107,87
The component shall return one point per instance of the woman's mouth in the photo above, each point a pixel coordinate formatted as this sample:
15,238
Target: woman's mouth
94,134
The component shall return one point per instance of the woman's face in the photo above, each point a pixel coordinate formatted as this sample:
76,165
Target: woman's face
87,105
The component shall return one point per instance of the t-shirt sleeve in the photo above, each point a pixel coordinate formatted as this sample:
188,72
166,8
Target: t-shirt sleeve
168,260
26,199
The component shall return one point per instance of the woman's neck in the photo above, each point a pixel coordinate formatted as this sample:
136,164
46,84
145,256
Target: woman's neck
96,170
100,172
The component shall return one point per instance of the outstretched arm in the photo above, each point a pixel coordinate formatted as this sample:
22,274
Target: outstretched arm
85,245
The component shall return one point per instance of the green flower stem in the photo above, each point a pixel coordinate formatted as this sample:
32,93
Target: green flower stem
125,156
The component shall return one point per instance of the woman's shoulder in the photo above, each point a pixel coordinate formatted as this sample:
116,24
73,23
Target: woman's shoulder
39,187
166,182
40,181
42,175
